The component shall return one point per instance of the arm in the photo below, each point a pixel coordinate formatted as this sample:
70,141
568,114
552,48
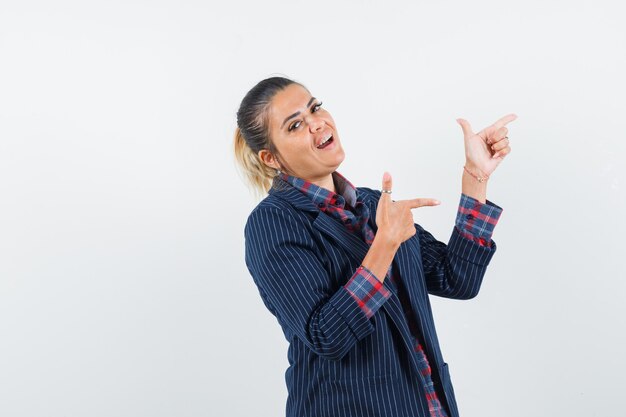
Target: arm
286,267
456,270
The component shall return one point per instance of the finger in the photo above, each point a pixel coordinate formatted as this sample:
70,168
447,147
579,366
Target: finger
501,144
504,120
467,129
501,154
498,135
386,184
421,202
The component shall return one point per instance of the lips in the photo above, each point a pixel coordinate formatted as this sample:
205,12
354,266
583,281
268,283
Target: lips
325,144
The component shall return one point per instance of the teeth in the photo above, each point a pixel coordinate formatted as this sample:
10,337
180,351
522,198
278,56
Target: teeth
325,140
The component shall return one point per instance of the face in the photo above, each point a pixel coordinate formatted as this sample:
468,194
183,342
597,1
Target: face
298,125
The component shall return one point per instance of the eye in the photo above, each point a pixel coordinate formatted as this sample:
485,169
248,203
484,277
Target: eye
294,125
316,107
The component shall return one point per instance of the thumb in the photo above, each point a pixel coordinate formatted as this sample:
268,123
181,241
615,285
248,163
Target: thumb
467,129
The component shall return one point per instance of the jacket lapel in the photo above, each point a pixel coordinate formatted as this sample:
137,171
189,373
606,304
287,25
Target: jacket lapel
350,242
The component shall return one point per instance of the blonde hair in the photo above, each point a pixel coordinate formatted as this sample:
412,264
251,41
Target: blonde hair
252,134
258,175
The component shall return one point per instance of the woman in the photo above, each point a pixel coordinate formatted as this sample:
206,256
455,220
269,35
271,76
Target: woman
345,270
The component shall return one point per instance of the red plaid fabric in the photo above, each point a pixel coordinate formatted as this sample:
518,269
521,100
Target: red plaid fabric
476,220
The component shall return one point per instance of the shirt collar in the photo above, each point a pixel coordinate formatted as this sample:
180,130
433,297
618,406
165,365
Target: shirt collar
321,197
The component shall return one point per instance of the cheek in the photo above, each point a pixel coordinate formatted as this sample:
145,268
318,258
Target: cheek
297,148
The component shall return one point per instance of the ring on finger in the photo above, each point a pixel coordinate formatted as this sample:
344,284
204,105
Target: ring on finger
494,144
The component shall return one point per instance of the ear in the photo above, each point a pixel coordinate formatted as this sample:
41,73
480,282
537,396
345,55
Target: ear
268,159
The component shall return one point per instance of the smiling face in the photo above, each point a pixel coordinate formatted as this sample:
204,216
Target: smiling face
298,125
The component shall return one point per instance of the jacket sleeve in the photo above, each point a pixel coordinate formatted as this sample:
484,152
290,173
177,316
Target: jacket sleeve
290,276
456,270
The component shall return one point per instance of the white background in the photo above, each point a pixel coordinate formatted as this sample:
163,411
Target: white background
123,287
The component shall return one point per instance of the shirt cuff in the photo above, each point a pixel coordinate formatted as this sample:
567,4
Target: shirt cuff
476,220
368,291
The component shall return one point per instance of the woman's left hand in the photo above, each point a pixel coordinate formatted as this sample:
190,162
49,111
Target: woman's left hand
486,149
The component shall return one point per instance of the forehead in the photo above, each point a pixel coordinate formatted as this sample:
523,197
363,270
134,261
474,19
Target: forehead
288,101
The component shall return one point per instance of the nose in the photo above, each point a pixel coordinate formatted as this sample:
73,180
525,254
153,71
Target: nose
315,123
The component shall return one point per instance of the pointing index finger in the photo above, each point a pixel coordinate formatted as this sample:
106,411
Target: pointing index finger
421,202
504,120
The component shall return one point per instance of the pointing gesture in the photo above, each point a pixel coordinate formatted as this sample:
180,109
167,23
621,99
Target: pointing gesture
394,219
486,149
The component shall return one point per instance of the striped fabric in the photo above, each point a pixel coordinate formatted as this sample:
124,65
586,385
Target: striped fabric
368,290
345,357
344,205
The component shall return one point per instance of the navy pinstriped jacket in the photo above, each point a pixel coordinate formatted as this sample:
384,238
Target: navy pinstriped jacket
341,362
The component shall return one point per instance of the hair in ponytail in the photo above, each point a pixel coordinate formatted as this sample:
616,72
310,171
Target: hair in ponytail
258,175
252,133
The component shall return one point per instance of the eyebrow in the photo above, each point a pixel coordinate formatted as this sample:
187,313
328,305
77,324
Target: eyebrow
296,113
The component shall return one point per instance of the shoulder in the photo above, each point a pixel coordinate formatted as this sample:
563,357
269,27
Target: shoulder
272,213
368,193
275,228
269,203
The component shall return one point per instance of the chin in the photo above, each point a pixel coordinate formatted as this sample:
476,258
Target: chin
338,164
341,156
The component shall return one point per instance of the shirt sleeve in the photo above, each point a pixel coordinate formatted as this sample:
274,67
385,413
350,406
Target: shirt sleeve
476,220
367,290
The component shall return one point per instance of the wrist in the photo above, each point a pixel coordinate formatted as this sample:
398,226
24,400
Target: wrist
385,241
473,188
380,256
473,171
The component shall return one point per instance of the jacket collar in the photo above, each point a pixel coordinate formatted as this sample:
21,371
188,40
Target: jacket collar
307,196
323,222
285,191
345,192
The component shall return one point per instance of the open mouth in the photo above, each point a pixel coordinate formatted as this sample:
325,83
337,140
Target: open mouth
325,144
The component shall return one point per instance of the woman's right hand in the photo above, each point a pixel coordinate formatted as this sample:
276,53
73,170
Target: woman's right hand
394,219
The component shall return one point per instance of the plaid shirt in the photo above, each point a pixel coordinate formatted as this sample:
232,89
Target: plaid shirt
474,221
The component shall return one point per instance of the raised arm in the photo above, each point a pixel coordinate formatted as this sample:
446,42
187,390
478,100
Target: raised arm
456,270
